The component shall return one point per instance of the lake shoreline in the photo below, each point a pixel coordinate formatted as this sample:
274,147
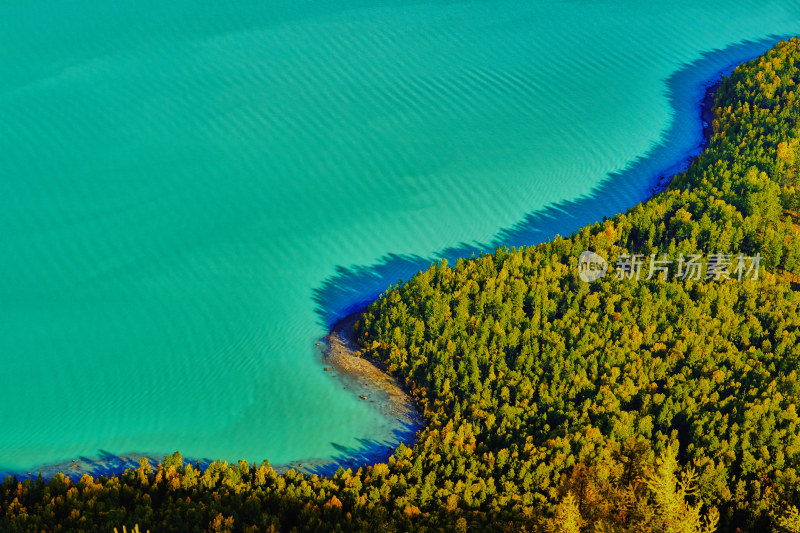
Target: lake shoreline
710,89
365,377
368,378
344,357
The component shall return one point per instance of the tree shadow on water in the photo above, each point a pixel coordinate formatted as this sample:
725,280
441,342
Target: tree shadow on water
104,464
352,288
368,452
650,172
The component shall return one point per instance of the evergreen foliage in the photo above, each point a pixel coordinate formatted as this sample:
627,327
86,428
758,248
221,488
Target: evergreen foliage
553,404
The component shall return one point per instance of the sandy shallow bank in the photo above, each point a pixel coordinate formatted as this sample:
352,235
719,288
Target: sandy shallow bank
366,378
367,381
340,354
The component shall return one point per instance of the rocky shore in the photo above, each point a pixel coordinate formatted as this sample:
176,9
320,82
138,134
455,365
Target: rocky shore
365,378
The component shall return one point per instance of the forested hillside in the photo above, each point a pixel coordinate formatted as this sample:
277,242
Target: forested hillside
554,404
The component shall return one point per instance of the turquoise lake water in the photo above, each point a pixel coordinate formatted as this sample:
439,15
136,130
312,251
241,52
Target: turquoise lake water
192,192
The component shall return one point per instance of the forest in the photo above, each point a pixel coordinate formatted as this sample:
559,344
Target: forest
553,404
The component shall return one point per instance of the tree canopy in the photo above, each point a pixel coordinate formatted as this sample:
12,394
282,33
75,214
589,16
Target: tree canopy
553,404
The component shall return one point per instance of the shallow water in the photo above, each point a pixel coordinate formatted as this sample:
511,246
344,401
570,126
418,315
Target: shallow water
192,192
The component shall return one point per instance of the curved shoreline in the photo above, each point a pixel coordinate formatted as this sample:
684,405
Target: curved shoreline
341,356
707,128
364,377
368,378
344,357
